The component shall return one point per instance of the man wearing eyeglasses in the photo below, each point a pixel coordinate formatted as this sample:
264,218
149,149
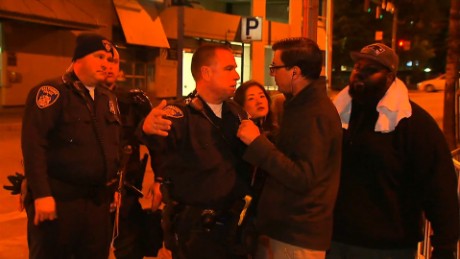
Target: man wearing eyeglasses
396,167
303,165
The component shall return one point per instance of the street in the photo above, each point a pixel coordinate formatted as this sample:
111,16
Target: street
13,244
13,237
431,102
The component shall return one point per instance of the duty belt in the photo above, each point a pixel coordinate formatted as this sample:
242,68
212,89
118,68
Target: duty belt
209,216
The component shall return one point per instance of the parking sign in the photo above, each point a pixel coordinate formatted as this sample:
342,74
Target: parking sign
251,29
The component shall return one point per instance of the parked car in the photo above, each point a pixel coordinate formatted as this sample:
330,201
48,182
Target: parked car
435,84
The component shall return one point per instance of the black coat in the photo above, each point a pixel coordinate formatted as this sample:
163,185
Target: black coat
390,180
201,156
70,143
303,169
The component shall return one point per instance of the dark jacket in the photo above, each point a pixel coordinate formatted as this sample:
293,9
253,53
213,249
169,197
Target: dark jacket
303,168
201,157
134,106
390,179
69,142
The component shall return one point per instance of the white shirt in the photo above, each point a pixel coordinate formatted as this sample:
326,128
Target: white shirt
216,108
91,90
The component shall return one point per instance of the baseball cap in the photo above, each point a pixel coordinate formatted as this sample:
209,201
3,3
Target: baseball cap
90,42
380,53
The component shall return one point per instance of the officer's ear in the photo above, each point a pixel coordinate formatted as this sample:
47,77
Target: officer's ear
206,73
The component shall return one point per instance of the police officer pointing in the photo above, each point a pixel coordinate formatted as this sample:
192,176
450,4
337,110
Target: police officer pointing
70,143
199,162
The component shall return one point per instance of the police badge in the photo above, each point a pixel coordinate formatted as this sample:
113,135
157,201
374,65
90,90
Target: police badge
46,96
113,107
173,111
107,45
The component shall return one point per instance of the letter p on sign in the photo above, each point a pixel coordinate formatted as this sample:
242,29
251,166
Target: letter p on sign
251,29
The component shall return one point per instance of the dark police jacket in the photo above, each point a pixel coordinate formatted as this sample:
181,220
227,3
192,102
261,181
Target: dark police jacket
201,157
69,142
134,106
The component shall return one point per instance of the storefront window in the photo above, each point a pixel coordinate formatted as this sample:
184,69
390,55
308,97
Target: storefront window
133,75
137,68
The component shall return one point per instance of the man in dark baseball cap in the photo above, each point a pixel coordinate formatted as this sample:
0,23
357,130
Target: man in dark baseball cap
396,168
374,71
380,53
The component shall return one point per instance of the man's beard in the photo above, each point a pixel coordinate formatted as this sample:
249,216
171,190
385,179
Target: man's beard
366,92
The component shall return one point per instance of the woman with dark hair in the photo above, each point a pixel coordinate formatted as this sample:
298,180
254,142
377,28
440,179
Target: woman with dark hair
255,100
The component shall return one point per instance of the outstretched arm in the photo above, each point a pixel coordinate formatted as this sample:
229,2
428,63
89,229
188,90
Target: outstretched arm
155,123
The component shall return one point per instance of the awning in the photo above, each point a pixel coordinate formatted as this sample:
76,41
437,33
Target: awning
202,23
138,26
69,14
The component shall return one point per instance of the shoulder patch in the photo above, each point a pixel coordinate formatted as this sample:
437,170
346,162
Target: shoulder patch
46,96
173,111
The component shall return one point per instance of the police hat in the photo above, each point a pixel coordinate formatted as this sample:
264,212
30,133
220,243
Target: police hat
90,42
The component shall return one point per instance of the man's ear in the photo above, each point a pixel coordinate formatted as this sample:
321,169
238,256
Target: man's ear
296,71
206,73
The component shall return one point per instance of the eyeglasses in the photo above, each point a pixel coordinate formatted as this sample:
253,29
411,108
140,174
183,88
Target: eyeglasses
274,68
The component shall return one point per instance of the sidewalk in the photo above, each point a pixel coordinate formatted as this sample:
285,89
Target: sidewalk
10,118
13,238
13,223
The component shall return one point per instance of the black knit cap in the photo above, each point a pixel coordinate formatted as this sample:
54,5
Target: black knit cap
90,42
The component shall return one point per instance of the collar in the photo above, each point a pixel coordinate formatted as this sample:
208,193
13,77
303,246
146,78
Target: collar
392,108
216,108
310,91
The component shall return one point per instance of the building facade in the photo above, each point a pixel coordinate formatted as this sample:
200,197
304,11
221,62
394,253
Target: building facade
155,39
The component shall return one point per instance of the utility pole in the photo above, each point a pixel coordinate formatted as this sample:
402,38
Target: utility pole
329,29
310,18
367,5
450,121
180,49
394,28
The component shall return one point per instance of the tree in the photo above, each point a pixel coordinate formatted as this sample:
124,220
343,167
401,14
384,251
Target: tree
353,29
453,54
422,22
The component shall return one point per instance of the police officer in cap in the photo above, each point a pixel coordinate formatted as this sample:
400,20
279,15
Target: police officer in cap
134,237
70,143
